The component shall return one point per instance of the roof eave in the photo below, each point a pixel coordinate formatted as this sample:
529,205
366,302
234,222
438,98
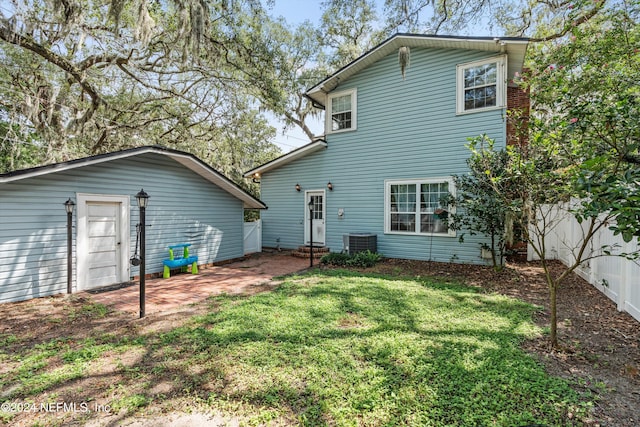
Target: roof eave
303,151
186,159
510,45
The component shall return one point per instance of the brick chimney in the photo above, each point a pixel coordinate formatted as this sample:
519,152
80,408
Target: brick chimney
518,106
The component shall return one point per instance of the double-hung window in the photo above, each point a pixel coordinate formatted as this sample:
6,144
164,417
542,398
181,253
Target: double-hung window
415,206
341,111
481,85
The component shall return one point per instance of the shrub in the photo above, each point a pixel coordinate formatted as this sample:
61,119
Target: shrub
360,259
335,258
364,259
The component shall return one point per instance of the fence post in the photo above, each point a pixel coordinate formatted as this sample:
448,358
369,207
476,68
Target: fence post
595,262
624,282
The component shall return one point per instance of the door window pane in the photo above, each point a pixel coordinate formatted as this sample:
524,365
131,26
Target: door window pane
317,207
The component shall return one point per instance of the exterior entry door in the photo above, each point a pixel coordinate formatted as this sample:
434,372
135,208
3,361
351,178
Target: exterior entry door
102,247
317,198
103,229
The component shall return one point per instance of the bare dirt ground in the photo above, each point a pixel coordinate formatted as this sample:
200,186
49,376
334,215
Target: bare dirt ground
600,347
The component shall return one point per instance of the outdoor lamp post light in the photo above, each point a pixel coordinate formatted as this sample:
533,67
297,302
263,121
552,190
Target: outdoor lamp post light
311,232
68,206
143,200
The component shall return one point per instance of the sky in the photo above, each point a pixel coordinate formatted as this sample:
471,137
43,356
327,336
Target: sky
296,12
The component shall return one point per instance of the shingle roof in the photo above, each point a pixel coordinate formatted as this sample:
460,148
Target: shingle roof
186,159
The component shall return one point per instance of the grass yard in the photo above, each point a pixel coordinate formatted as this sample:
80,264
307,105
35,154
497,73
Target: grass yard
328,348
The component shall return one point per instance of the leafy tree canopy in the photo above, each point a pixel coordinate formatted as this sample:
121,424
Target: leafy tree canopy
83,78
586,99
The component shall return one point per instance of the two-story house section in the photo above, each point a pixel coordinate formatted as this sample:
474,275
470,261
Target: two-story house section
391,146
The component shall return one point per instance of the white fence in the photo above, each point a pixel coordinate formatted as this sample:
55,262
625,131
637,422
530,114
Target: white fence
252,237
617,277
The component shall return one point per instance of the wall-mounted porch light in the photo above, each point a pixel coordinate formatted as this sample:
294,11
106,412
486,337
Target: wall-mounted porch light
298,188
330,186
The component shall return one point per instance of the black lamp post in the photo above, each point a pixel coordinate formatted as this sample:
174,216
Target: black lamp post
311,232
68,206
143,199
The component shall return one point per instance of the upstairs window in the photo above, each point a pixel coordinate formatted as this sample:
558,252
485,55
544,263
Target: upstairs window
341,111
481,85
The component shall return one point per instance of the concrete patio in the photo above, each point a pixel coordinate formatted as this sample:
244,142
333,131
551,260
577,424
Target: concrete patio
249,275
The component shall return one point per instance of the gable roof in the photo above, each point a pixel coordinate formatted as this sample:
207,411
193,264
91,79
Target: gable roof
515,47
312,147
186,159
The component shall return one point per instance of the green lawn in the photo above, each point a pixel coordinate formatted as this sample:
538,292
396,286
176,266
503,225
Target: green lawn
327,348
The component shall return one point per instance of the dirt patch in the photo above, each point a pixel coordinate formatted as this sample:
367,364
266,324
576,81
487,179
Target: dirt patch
178,420
60,317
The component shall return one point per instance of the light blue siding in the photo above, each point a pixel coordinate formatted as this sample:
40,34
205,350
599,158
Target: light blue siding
183,207
406,129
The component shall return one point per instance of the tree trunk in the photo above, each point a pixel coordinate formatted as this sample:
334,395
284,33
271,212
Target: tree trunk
553,291
301,124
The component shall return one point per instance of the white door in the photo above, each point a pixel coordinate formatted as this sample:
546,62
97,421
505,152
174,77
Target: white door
103,232
252,237
102,240
317,200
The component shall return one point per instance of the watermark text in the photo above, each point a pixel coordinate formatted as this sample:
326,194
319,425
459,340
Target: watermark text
15,407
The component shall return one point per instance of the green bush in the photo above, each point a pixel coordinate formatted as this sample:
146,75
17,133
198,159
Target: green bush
335,258
364,259
360,259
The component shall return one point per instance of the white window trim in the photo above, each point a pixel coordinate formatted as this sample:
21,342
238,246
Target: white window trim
354,111
501,84
387,204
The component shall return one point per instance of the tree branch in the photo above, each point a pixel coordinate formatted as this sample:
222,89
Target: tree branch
567,28
301,124
64,64
103,59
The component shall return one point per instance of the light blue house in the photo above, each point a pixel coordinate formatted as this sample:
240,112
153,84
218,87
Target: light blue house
189,203
391,146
